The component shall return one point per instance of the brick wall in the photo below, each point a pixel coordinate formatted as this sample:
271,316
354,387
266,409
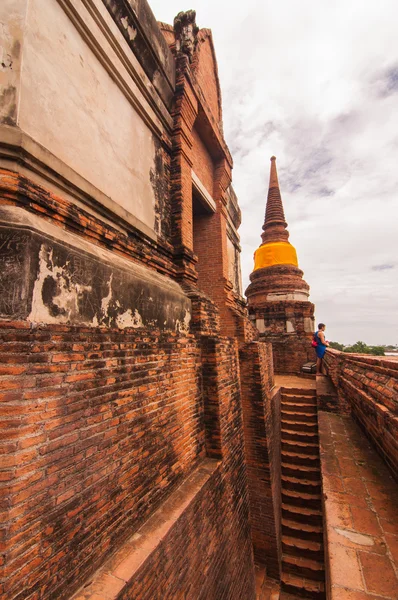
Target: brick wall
261,417
209,555
97,426
202,163
291,352
206,74
369,387
203,557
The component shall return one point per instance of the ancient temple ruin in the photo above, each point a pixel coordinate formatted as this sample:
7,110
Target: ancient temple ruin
148,449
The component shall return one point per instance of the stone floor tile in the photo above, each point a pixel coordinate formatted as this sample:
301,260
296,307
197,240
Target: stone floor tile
355,486
386,506
368,471
349,467
339,438
331,465
379,575
392,544
338,515
365,521
343,594
389,526
385,486
106,586
332,483
349,499
344,567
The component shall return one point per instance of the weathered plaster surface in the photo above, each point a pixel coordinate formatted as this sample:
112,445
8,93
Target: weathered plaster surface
282,297
71,106
12,22
50,276
290,327
260,325
234,274
309,325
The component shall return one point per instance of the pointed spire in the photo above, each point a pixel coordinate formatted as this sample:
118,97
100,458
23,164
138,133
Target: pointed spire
274,224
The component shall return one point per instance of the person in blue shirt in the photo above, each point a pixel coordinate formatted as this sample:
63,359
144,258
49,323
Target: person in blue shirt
322,344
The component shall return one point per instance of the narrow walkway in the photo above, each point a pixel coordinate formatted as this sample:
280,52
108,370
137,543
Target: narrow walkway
361,512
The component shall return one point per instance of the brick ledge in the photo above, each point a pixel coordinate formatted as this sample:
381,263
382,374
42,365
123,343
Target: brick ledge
109,581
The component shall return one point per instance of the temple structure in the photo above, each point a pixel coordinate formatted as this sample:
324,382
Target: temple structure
278,295
147,449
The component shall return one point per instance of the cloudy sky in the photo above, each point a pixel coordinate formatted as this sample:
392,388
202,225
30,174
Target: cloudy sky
315,82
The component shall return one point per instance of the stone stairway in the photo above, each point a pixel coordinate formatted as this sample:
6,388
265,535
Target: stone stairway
303,572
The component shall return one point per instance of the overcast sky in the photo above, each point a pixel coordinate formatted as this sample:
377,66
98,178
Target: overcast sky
315,82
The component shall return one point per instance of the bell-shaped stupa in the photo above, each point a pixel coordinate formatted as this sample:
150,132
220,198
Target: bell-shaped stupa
278,295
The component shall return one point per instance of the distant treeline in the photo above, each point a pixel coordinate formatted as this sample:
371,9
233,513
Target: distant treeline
362,348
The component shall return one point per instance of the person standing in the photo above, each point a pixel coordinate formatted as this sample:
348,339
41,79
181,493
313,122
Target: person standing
322,344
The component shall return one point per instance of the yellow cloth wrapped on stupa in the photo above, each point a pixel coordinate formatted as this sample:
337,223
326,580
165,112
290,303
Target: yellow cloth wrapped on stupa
275,253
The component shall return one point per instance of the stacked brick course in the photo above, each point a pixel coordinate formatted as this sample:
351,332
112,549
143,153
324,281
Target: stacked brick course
97,426
261,418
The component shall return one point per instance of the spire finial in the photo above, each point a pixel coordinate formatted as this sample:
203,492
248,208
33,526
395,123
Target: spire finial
274,224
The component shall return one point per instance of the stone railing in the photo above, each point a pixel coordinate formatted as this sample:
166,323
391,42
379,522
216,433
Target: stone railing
367,386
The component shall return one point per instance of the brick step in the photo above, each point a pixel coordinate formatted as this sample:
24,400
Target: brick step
296,458
299,436
310,409
299,425
301,471
305,531
301,485
302,514
309,500
298,415
298,392
298,399
304,567
304,588
302,548
297,447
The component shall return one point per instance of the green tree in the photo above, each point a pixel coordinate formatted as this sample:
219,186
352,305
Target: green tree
358,348
377,350
362,348
336,346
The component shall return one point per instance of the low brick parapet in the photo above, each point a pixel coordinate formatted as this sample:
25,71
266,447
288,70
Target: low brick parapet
367,388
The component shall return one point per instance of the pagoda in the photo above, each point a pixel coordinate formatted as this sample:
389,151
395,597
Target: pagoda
278,295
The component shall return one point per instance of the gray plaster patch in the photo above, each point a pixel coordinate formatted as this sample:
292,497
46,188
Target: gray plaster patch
357,538
131,32
48,280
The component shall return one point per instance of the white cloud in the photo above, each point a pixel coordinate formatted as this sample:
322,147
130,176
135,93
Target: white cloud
316,83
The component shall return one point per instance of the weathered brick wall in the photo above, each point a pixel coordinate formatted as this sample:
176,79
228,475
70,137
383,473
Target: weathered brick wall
261,417
202,163
209,555
290,352
204,557
97,426
369,387
206,74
